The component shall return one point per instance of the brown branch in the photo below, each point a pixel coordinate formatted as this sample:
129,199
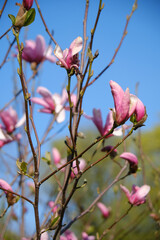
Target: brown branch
45,25
112,225
10,46
3,7
96,200
84,36
21,196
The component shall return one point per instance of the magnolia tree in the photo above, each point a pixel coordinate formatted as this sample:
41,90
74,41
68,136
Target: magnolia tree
124,118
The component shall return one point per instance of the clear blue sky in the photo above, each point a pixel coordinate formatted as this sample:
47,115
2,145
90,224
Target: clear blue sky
136,61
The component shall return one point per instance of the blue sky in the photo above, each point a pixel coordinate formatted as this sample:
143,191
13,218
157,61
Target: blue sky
137,59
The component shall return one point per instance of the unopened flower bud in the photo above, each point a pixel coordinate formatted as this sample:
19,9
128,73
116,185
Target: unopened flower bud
27,4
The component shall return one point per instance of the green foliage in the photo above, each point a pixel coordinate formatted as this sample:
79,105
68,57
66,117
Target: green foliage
30,17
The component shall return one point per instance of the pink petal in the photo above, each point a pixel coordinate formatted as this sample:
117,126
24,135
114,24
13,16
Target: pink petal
129,157
40,101
126,191
104,210
76,45
5,185
123,109
59,54
133,103
40,48
139,196
109,123
117,93
44,236
56,155
97,119
140,110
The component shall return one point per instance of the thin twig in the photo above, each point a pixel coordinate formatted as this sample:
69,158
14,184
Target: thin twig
45,25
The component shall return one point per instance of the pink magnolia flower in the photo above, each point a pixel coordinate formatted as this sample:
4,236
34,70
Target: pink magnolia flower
126,104
50,102
97,120
44,236
52,205
82,164
5,185
10,123
36,51
138,194
104,210
58,161
86,237
69,57
68,235
132,159
10,197
27,4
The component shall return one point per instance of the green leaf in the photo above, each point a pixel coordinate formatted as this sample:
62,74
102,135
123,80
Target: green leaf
54,221
24,167
30,17
12,17
18,163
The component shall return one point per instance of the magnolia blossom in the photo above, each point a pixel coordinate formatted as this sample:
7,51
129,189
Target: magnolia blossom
82,164
126,104
10,197
53,103
86,237
5,186
97,120
58,161
104,210
132,159
44,236
36,51
69,57
138,194
50,102
68,235
27,4
10,123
